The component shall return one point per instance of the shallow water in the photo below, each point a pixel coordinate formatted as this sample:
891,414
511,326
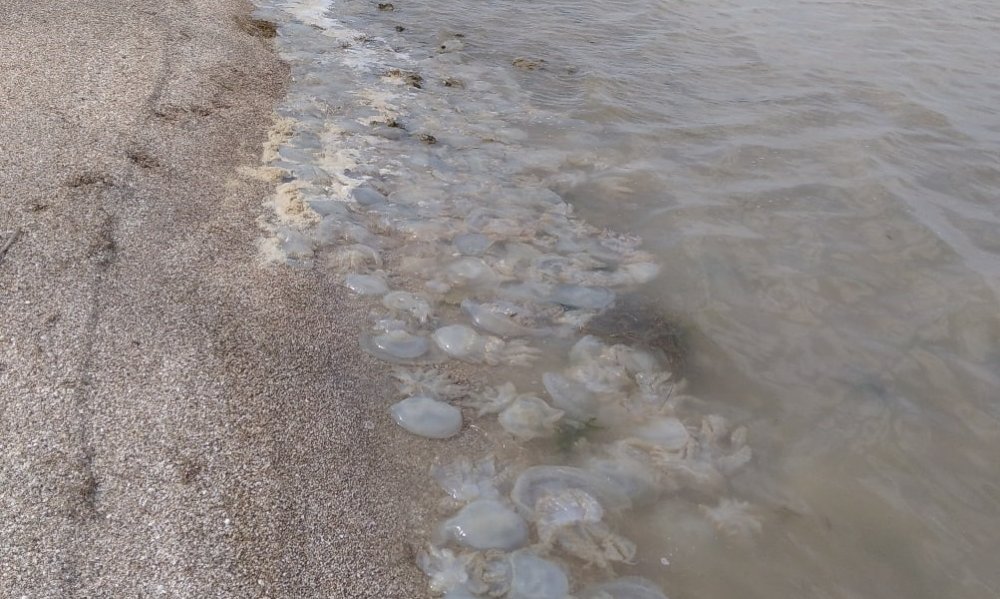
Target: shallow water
816,182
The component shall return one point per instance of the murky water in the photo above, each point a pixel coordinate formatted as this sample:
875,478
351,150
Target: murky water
816,184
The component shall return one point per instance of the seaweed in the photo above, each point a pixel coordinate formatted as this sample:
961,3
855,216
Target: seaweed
257,27
568,434
635,321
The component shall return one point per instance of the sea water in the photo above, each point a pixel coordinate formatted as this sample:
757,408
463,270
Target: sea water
724,274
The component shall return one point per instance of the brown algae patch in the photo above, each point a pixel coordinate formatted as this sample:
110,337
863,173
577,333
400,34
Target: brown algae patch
268,174
405,77
529,64
257,27
638,322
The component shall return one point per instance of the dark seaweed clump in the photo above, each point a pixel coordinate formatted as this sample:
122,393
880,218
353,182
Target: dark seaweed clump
638,322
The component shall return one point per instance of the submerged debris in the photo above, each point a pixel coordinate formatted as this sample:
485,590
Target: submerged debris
637,322
257,27
529,64
411,78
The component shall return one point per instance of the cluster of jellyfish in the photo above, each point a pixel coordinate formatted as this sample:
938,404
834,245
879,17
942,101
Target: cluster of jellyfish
521,533
468,259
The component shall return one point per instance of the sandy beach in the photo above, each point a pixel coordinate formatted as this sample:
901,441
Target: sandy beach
175,418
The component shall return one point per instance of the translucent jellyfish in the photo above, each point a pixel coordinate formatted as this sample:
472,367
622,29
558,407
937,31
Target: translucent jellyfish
366,284
470,272
422,229
657,387
571,396
353,232
668,433
539,481
688,473
533,577
356,256
636,361
627,587
471,244
565,507
427,417
498,318
463,342
428,382
555,267
486,524
726,447
575,320
460,593
587,349
716,452
388,325
732,518
576,296
489,574
731,463
506,228
367,195
446,570
397,346
640,273
437,288
621,244
626,274
571,519
459,341
528,291
465,480
598,366
492,400
529,417
632,475
294,244
702,465
714,428
404,301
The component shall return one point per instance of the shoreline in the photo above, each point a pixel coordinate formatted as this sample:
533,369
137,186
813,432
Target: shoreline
175,419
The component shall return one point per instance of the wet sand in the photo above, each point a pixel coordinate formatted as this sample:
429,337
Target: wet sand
175,419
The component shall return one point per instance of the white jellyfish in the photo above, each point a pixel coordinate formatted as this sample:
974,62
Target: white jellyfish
486,524
427,417
410,303
528,417
465,480
462,342
366,284
533,577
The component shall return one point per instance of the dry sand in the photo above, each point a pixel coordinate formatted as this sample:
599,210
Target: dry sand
175,419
